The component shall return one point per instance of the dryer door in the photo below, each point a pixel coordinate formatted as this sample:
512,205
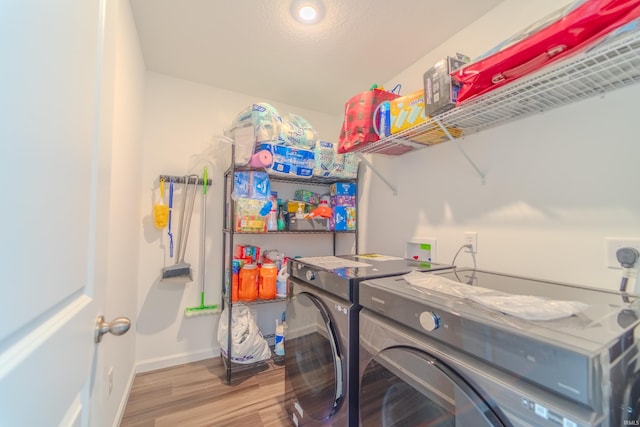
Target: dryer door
314,365
402,386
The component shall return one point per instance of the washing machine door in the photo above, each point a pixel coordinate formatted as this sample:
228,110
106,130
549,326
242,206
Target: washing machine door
313,357
402,386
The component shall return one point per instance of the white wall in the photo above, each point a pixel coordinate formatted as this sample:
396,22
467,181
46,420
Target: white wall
556,184
181,121
553,190
124,214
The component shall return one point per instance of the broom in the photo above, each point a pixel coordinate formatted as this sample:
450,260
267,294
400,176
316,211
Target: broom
181,270
202,309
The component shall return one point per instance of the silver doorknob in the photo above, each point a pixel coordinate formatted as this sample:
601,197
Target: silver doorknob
117,326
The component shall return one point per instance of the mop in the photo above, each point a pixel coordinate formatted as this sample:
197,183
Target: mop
202,309
181,270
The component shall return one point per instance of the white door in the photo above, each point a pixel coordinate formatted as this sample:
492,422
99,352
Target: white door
55,119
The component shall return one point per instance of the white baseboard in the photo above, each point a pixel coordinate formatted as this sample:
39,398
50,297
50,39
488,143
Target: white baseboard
174,360
125,398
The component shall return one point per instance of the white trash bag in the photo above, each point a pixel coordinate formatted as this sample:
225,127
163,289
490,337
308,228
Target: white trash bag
247,343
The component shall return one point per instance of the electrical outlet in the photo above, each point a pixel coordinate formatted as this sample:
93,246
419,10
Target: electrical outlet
471,238
612,244
110,379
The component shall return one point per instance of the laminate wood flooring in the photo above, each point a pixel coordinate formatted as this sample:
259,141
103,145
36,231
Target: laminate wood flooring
195,394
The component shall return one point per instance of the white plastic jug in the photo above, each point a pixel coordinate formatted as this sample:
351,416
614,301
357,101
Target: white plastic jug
281,282
279,340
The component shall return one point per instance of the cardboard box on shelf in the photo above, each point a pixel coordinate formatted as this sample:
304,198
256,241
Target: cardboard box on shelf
342,189
402,113
343,218
342,201
440,90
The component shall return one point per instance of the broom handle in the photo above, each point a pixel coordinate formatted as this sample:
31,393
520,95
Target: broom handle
188,217
205,179
185,187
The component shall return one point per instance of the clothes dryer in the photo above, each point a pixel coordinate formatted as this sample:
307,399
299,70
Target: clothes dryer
321,341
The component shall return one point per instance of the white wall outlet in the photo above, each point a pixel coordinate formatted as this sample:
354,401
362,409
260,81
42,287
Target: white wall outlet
612,244
471,238
422,250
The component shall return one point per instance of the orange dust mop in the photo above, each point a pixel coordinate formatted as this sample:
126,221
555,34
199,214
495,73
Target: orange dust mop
202,309
160,210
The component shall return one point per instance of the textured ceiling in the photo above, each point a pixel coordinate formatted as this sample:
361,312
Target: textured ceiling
255,47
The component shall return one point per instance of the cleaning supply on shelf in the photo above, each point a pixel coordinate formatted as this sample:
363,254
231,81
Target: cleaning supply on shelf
248,285
272,216
282,222
235,278
160,210
323,210
281,281
202,309
267,281
279,339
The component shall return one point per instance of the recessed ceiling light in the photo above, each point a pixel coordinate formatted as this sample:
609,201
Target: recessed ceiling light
307,11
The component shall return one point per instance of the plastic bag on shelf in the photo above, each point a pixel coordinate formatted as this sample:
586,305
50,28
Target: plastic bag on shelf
358,128
268,125
251,185
247,343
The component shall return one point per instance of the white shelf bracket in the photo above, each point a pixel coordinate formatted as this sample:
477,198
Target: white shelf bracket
464,153
373,168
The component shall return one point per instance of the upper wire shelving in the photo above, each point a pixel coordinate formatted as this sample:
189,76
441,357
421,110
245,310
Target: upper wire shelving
597,71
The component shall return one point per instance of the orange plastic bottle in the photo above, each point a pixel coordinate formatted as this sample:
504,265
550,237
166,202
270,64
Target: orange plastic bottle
247,288
235,281
235,278
268,277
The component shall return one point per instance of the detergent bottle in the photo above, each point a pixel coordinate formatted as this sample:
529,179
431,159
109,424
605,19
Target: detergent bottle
281,281
248,283
279,340
267,286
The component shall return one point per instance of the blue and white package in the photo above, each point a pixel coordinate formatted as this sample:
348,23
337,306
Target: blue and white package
260,186
290,160
325,157
251,185
241,184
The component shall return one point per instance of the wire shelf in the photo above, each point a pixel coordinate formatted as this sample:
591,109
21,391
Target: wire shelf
599,70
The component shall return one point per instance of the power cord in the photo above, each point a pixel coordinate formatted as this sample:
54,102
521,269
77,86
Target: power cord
627,258
473,256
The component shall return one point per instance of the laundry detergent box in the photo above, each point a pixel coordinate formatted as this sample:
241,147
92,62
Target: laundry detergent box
291,161
342,189
343,218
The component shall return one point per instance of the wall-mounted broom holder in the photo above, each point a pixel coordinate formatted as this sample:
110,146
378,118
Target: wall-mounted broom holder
181,179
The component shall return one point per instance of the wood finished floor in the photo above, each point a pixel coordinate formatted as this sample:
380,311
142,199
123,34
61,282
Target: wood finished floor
195,394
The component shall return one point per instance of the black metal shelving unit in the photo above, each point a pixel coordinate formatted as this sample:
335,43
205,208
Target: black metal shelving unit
228,244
